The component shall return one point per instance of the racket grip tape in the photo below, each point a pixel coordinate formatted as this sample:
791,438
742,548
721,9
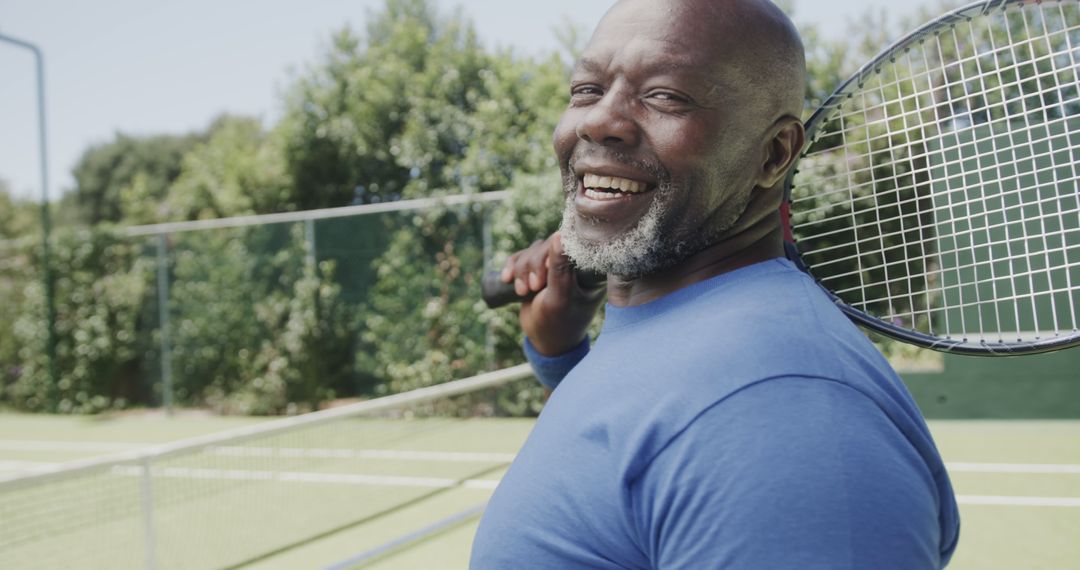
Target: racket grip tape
496,293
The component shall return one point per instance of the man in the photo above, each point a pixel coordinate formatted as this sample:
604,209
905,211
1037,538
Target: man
729,416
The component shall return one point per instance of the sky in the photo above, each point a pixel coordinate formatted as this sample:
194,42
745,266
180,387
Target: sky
149,67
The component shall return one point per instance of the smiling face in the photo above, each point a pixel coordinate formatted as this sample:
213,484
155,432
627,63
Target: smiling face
660,146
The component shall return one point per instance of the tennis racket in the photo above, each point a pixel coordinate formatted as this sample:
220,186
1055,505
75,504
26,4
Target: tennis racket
937,200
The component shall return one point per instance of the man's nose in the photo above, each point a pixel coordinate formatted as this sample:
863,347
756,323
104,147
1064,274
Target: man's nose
609,122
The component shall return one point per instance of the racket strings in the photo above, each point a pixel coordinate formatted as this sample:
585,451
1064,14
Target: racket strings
1058,144
1027,120
940,194
981,105
898,253
903,207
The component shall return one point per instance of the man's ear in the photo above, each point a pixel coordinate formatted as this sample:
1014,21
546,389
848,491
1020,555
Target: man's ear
780,151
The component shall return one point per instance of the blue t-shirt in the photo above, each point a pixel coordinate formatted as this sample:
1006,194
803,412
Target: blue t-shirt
742,422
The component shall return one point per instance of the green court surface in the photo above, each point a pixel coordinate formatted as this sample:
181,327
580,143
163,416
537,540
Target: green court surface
1018,483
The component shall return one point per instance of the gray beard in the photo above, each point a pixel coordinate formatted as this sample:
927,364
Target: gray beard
648,247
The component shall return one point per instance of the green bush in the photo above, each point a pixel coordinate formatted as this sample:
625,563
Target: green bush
308,357
100,331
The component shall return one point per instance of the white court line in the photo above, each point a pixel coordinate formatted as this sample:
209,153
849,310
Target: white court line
363,454
10,469
1018,501
1052,468
307,477
248,451
42,445
489,484
452,456
17,465
483,484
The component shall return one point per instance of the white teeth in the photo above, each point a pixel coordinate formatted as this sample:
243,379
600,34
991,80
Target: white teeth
598,195
614,183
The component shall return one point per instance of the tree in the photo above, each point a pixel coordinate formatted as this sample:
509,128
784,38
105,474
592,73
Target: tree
238,170
18,230
339,127
18,217
100,326
122,180
475,123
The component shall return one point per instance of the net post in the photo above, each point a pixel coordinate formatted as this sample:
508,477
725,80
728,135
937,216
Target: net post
146,494
163,321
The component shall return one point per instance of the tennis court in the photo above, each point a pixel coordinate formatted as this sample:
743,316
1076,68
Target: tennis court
402,487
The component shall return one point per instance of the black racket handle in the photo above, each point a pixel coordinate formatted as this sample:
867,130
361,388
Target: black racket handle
496,293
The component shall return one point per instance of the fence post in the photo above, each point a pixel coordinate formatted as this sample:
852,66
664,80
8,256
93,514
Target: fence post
309,242
146,487
489,333
163,321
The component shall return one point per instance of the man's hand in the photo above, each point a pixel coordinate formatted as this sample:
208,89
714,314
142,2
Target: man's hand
556,319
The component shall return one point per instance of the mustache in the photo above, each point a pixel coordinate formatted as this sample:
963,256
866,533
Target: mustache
601,154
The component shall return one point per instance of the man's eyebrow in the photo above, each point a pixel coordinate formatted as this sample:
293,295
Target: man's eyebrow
589,66
593,66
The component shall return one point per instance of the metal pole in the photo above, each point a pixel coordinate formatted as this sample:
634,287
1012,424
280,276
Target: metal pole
489,333
146,494
309,243
163,321
50,302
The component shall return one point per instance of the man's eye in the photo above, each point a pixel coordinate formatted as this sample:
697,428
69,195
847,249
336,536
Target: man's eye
667,96
585,90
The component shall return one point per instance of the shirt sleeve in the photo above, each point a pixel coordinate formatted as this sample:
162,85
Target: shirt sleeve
790,473
550,370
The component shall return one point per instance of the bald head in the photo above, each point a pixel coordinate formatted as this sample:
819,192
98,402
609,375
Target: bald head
754,42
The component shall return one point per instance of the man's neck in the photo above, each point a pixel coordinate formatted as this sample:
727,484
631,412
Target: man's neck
758,242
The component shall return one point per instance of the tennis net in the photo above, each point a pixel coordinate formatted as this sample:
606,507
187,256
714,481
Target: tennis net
233,498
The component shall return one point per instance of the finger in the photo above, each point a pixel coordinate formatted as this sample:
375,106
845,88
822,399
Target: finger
560,275
539,274
507,274
528,268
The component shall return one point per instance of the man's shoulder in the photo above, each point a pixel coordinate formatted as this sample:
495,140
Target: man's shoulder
763,321
803,449
652,379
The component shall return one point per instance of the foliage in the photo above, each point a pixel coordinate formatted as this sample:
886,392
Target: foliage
339,129
420,325
238,170
282,337
99,327
17,226
19,242
416,108
19,217
498,133
123,180
308,356
216,279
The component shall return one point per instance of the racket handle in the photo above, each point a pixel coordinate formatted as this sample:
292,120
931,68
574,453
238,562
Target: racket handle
496,293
